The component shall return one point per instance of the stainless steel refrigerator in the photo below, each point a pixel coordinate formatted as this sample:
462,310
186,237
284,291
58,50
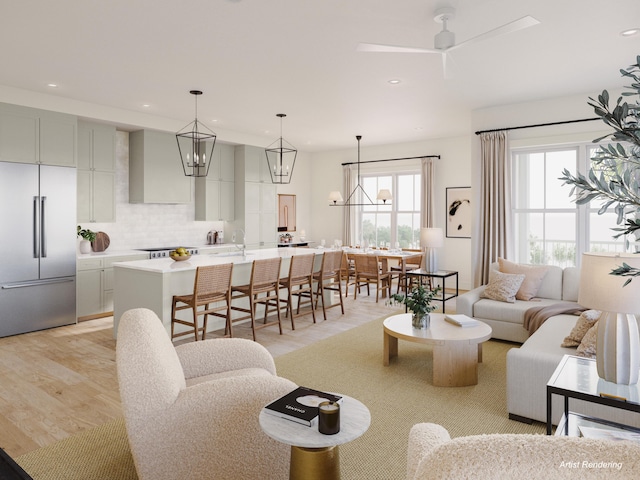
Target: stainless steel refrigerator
37,247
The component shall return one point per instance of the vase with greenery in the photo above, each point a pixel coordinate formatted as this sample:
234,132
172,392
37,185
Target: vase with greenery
614,177
87,239
419,302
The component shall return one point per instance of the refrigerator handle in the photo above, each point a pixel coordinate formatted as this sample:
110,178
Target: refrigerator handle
43,231
36,244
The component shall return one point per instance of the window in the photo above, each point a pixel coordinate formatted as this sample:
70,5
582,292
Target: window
549,227
392,225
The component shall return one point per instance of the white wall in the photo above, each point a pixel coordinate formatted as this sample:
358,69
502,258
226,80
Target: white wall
452,170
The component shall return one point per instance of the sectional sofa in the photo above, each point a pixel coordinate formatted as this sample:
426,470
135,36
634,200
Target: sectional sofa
531,364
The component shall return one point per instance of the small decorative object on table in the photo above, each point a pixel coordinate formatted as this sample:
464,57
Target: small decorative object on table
329,418
179,254
87,239
419,302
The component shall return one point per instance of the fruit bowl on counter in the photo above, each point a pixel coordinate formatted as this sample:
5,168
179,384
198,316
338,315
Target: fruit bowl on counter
179,254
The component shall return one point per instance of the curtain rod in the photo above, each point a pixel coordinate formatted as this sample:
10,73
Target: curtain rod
391,159
538,125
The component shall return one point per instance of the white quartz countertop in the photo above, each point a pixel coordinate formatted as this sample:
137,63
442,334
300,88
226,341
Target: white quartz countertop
167,265
122,253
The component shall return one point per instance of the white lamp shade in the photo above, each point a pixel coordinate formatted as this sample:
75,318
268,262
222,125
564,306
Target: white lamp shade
617,344
431,237
335,196
384,195
605,292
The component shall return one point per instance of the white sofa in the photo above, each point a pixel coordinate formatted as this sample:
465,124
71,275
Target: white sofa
432,454
530,366
506,319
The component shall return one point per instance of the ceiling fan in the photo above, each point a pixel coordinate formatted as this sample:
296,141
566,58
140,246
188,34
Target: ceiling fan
444,41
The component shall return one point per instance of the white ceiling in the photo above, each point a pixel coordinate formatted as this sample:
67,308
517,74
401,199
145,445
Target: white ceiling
256,58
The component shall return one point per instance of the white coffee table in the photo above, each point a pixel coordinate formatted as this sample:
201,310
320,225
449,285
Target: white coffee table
315,456
456,350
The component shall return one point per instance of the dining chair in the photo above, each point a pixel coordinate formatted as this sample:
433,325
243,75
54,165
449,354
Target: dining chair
265,276
329,278
212,285
300,276
407,264
368,272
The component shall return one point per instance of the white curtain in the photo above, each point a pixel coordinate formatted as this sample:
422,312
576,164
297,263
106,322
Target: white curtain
495,224
427,219
348,226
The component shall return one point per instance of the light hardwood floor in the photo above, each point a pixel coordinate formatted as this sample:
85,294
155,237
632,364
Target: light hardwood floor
59,382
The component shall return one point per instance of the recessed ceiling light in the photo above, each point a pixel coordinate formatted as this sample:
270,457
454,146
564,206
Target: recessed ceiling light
52,85
394,81
146,105
630,32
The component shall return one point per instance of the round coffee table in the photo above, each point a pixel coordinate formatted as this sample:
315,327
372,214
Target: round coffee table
456,350
315,456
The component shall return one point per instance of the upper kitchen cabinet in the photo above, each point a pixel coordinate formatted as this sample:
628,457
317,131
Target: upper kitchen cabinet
28,135
253,166
155,170
96,172
215,192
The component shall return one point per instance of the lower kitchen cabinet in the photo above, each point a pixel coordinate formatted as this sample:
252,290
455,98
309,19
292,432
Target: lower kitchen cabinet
94,291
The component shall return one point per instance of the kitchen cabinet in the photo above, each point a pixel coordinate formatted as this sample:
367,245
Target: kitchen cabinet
155,169
94,284
29,135
96,172
215,193
256,200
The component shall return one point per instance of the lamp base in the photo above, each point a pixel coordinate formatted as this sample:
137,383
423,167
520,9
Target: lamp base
618,348
430,260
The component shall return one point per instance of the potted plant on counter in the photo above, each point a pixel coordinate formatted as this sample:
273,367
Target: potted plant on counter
419,302
87,237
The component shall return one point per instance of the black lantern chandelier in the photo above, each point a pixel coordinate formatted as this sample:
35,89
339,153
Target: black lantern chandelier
195,144
281,158
358,195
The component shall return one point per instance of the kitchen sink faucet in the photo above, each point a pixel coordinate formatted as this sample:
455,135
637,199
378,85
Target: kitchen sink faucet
242,246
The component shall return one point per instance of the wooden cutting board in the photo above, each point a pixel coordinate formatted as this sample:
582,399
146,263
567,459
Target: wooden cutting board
101,243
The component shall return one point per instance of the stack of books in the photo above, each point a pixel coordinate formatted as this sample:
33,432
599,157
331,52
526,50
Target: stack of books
300,405
461,320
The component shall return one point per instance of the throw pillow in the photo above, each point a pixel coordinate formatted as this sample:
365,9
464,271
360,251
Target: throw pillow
587,347
586,320
533,277
502,286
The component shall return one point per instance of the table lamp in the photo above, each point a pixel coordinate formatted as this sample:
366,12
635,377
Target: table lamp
430,239
617,344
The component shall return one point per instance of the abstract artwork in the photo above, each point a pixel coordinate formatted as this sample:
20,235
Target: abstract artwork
458,212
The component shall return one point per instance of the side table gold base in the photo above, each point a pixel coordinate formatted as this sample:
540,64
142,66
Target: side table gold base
314,463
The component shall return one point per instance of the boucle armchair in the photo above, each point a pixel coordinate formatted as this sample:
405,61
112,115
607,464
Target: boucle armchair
192,411
432,454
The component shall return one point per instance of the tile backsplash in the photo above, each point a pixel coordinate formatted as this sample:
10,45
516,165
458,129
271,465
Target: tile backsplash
149,225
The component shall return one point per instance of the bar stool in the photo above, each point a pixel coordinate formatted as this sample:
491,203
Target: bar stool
301,276
212,285
329,278
265,276
367,272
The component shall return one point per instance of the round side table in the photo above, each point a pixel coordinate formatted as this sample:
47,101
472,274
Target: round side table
315,456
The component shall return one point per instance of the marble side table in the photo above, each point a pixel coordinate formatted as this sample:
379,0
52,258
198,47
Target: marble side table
315,456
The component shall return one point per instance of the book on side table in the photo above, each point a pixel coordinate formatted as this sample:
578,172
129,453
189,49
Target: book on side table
300,405
461,320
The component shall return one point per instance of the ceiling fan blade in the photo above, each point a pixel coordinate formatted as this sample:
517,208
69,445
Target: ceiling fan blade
449,66
377,48
520,24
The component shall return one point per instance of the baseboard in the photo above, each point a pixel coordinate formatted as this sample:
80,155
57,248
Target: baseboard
518,418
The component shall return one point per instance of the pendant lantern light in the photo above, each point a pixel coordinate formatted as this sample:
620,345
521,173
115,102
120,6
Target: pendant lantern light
281,158
195,145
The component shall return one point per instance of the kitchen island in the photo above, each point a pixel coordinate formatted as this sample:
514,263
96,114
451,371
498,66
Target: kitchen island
153,283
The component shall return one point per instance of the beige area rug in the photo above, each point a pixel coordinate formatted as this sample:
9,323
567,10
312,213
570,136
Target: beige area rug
398,396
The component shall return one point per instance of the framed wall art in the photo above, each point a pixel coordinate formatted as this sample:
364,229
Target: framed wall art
458,216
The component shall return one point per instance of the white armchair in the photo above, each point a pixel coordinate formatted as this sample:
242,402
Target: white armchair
192,411
432,454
